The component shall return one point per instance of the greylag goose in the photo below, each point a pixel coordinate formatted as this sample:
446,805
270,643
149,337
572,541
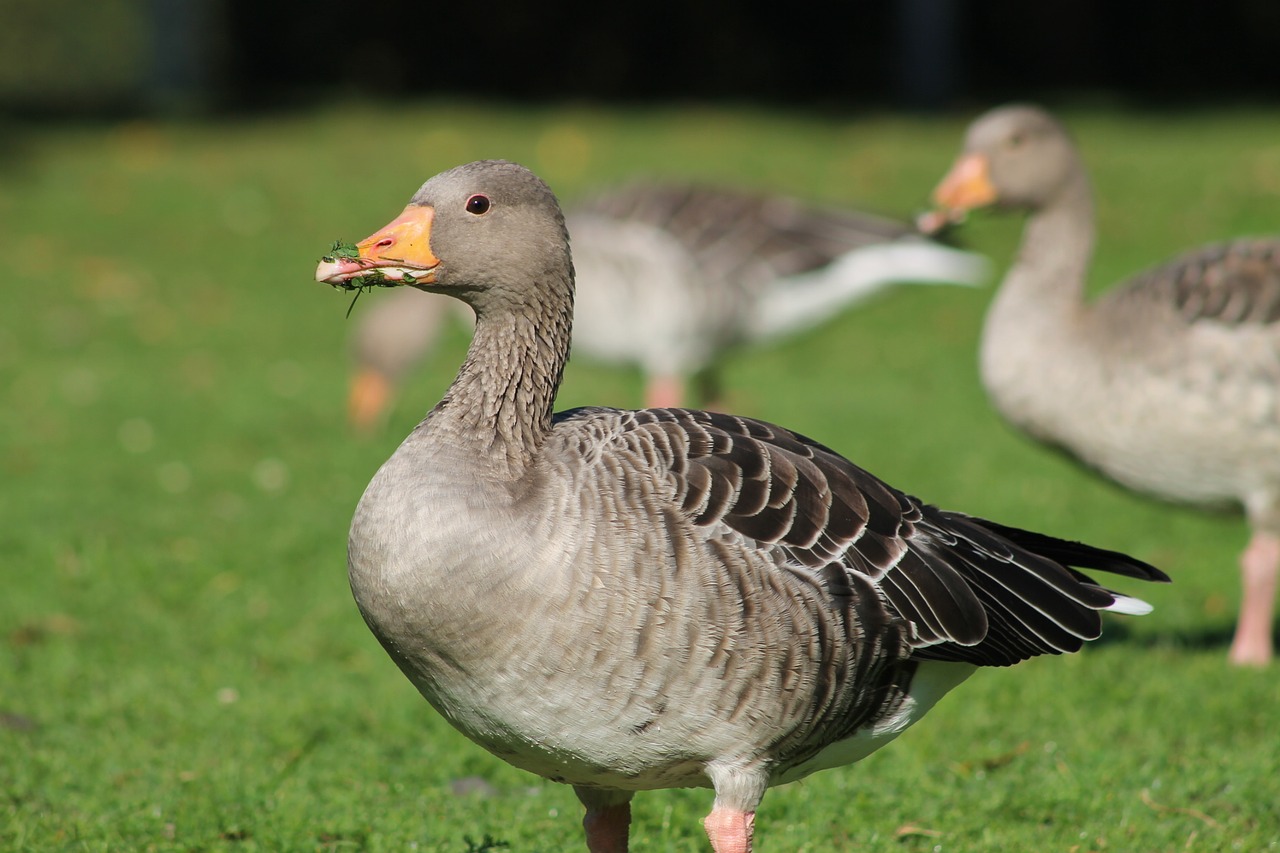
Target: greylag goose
673,275
632,600
1169,384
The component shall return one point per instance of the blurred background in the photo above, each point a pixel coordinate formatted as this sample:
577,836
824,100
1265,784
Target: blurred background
65,57
181,665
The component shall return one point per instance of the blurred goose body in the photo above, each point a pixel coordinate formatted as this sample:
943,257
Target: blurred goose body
392,337
629,600
1169,383
671,276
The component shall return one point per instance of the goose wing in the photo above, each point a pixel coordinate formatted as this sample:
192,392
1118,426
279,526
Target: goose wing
1234,283
970,590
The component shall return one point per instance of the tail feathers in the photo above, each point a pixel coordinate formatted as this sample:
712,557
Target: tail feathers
908,261
1078,554
1034,599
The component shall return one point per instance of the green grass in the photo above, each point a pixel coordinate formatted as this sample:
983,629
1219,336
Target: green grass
181,667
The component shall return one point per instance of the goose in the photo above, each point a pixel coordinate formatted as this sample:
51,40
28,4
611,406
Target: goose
635,600
1169,384
676,274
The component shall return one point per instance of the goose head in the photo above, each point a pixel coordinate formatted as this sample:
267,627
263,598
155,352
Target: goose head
474,231
1017,157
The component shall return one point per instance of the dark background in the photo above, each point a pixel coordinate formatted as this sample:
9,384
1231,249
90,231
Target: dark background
60,57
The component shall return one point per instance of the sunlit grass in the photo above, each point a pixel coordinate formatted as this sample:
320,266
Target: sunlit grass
180,663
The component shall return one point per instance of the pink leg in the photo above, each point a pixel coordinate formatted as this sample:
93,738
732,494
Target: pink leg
1259,567
730,830
664,392
608,819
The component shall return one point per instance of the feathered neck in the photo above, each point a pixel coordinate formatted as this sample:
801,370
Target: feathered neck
1051,268
498,409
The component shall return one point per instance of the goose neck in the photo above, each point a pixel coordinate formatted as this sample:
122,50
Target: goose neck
497,413
1057,246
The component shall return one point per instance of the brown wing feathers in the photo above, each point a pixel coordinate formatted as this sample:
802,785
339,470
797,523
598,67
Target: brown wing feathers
972,590
1233,283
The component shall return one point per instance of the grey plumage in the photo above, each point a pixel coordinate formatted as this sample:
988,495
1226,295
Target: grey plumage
628,600
1168,383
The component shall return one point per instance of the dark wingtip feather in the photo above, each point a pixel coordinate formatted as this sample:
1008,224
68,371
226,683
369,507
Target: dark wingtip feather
1070,553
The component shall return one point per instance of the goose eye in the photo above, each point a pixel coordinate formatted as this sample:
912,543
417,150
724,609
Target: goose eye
1016,140
478,204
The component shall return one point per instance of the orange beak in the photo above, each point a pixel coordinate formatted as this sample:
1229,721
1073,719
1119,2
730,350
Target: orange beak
967,186
400,252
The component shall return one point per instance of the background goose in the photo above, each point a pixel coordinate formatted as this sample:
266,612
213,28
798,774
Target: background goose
630,600
675,274
392,336
1169,384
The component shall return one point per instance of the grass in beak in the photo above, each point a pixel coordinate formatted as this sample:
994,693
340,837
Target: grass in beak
373,278
340,249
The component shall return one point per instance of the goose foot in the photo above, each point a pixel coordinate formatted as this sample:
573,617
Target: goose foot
730,830
1259,569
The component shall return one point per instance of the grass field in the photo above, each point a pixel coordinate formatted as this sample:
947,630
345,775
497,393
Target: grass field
182,668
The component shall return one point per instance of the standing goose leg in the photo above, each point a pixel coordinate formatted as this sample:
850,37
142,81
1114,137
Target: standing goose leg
739,790
1259,567
608,819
